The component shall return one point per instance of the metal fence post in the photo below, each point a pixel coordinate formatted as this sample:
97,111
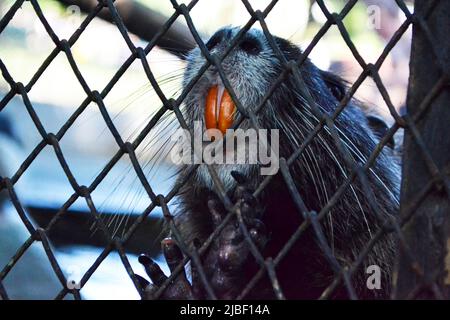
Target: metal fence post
426,159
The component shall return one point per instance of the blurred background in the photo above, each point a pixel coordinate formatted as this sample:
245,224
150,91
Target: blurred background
88,145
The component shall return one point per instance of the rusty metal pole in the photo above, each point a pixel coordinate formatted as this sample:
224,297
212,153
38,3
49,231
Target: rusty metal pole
427,234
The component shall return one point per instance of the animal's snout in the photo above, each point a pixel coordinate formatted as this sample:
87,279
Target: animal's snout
249,43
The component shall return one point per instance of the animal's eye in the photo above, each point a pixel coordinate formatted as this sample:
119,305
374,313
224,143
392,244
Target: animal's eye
251,45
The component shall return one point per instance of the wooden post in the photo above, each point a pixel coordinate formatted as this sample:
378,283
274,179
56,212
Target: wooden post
428,232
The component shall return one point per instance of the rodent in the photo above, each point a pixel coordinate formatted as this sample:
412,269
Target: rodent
318,172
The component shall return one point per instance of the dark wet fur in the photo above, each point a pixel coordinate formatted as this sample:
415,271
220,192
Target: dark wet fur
304,272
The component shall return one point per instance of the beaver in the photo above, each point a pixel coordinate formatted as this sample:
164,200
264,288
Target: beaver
272,216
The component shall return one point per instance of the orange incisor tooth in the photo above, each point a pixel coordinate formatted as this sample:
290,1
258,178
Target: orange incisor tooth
226,112
222,118
211,108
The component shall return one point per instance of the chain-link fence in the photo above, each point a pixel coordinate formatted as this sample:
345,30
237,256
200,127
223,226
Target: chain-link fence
422,228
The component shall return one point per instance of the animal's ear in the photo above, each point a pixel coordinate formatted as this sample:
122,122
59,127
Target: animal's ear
336,84
380,128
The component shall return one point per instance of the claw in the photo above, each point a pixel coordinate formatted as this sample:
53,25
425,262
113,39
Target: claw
172,253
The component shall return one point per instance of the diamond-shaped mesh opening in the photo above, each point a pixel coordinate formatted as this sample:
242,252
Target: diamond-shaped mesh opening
31,35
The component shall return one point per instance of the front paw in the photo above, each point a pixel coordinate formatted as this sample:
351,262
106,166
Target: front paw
230,257
179,288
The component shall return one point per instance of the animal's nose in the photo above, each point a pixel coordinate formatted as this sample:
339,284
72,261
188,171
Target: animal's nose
249,43
215,39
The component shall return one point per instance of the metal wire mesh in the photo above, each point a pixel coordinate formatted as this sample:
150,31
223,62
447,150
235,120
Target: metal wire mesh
267,266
